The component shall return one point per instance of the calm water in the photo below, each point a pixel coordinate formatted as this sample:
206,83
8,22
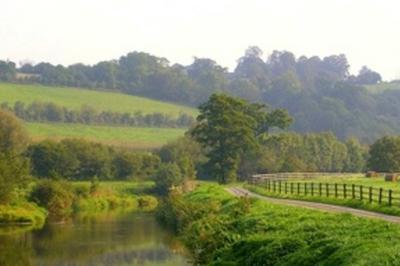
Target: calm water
106,239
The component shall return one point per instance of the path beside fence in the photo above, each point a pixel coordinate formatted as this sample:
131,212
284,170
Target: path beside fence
241,192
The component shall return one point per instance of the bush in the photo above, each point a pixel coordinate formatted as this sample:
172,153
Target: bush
57,197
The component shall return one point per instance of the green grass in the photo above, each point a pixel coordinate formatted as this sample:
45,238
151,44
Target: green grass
223,230
22,213
376,182
74,98
129,137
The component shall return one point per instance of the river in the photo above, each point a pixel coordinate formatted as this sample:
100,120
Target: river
122,238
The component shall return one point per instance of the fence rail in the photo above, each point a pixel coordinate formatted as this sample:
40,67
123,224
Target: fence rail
255,179
334,190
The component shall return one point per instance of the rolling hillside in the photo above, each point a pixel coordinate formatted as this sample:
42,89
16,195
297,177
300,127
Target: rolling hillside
74,98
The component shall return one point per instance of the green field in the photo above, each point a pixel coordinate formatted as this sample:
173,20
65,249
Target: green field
129,137
74,98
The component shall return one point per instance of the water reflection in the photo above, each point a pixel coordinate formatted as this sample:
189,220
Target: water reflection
106,239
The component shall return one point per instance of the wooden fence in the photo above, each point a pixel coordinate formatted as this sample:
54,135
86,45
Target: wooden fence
334,190
256,179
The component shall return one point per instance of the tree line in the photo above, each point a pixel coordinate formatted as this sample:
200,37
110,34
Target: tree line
319,93
51,112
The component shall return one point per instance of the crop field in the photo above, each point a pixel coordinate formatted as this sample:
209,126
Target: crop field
74,98
128,137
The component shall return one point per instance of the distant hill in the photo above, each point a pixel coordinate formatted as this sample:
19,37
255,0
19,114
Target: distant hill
74,98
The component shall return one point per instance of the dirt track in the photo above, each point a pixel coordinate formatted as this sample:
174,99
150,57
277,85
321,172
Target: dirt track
316,206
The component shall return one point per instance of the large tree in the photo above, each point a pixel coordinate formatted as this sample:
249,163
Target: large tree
229,127
385,155
13,165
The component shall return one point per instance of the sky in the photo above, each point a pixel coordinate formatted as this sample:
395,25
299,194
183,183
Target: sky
72,31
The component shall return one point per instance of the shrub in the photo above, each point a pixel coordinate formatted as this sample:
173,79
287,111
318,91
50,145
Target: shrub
57,197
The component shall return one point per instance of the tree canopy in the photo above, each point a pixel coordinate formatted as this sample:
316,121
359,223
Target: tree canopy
228,127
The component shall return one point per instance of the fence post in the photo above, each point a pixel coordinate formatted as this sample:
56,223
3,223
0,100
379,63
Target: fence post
361,192
344,191
370,194
353,191
305,188
285,187
298,188
390,197
380,195
336,193
320,189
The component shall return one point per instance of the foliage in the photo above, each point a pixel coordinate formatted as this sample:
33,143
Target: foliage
55,196
82,160
385,155
51,112
186,153
291,152
22,213
228,127
14,168
222,230
167,177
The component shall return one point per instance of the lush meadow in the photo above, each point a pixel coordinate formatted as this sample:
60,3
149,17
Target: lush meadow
129,137
220,229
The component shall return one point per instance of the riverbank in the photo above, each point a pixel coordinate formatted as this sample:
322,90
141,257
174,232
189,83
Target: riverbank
58,200
221,229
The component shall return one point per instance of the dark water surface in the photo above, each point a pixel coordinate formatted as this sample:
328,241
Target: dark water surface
102,239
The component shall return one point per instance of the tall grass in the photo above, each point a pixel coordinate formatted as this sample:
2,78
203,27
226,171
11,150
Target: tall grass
222,230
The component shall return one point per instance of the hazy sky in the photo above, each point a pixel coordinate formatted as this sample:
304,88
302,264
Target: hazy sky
70,31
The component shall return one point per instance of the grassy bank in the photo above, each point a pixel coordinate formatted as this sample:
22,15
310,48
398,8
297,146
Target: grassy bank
58,200
129,137
222,230
113,195
74,98
22,213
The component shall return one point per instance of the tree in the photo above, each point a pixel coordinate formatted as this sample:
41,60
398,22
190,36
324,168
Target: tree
367,76
14,167
228,127
384,155
168,176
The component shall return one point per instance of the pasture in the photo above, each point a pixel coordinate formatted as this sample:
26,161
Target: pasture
127,137
74,98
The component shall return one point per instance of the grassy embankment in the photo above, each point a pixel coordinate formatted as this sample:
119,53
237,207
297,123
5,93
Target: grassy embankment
74,99
220,229
357,180
81,199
